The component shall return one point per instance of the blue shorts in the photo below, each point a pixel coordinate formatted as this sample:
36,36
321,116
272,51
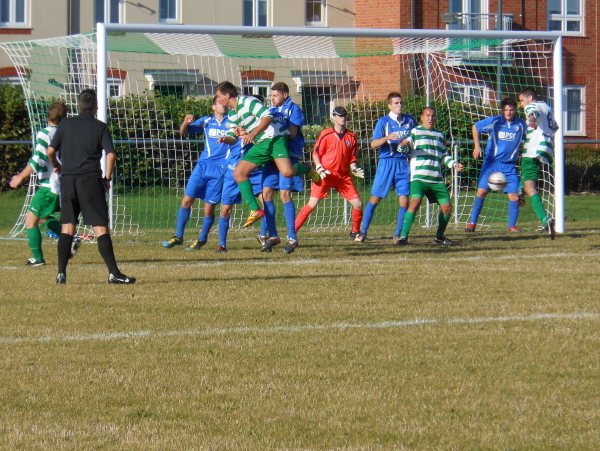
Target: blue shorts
231,192
508,169
206,182
273,179
391,172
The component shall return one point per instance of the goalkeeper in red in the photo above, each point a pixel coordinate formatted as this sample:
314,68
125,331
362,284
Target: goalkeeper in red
334,156
251,121
539,146
506,134
428,154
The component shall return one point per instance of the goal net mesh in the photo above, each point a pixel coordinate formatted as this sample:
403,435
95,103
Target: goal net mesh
154,79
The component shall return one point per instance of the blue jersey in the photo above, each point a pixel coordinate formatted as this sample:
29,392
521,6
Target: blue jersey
505,138
390,124
212,130
283,117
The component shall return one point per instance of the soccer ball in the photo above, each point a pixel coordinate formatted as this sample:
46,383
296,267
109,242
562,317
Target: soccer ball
497,181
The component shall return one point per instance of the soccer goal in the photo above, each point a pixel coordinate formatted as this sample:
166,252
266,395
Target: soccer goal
149,76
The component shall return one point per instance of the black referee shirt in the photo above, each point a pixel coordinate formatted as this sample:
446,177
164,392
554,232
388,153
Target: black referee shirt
79,142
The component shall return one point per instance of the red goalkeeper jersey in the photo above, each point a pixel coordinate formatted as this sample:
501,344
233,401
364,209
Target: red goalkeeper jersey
336,150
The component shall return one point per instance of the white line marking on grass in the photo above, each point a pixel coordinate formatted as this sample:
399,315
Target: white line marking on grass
243,330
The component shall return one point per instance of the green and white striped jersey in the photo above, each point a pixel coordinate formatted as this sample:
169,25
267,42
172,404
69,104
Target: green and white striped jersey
248,114
540,140
39,160
428,153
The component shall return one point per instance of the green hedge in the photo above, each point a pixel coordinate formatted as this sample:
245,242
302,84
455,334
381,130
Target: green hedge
131,120
14,125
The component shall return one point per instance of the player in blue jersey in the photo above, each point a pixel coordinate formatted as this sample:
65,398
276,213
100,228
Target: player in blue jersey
206,181
287,119
393,168
506,134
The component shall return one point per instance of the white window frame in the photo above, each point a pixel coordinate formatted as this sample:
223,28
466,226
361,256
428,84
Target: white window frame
563,18
107,11
255,85
177,18
467,15
255,13
111,83
566,89
323,21
12,12
466,93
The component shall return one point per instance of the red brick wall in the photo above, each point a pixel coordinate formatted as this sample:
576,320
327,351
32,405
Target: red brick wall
581,54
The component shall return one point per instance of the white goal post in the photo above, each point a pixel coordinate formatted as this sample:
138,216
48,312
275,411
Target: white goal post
145,75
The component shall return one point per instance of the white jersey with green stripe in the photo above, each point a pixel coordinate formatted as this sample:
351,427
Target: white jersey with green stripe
39,160
540,140
428,153
247,114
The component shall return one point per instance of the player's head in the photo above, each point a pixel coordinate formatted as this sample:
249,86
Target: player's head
339,115
226,93
394,102
217,107
279,93
87,101
56,112
428,117
526,96
508,107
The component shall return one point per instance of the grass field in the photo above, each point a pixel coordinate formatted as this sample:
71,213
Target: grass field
492,343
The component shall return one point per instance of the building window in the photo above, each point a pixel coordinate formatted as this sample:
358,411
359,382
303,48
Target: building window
469,14
315,12
573,110
566,16
315,103
472,94
115,10
13,13
257,88
169,10
256,13
114,88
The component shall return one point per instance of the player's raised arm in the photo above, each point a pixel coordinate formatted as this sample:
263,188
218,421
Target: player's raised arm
187,120
476,143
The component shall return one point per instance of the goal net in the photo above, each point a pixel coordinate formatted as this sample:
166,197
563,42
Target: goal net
154,78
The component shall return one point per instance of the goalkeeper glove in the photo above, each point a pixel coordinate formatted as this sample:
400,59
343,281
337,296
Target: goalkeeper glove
322,171
357,172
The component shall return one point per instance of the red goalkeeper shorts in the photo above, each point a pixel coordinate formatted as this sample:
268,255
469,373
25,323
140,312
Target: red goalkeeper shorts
342,183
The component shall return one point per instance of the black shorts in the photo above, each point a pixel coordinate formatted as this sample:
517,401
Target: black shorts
83,194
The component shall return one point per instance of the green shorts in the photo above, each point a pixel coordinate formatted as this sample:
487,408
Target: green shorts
530,169
44,203
265,151
431,190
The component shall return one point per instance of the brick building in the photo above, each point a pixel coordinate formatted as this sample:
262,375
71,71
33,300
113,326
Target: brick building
577,19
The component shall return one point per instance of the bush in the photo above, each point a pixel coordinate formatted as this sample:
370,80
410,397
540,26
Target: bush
582,169
14,125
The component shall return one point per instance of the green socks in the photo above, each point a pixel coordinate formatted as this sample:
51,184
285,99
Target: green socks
538,208
53,224
409,218
34,237
245,188
442,223
301,168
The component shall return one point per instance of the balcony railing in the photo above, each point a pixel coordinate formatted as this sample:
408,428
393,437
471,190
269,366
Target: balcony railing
463,21
481,55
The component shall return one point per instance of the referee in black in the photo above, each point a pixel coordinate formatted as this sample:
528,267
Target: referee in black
79,142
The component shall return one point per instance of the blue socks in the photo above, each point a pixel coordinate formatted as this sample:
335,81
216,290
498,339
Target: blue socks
367,217
513,213
182,218
223,229
207,223
477,206
401,213
289,211
269,219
